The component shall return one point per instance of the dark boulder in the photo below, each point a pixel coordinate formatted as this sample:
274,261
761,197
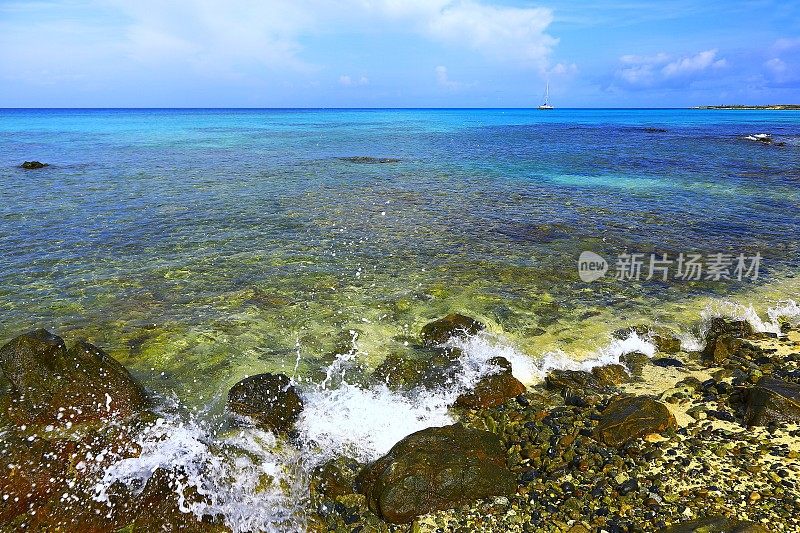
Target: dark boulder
494,389
435,469
772,400
33,165
453,325
52,383
634,362
715,524
269,399
611,375
720,328
572,380
632,417
667,362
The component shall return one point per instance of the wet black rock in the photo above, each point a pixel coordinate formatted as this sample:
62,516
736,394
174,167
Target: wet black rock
611,375
434,469
453,325
667,362
772,400
494,389
269,399
366,160
33,165
628,418
715,524
51,383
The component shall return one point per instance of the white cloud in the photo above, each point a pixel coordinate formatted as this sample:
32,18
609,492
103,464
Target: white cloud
561,69
347,81
663,69
786,43
776,65
507,34
443,80
691,64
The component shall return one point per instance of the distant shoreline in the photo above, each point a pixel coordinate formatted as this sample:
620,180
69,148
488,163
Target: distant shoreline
777,107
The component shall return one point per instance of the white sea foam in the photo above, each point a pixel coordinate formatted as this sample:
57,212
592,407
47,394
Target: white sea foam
787,310
482,347
246,477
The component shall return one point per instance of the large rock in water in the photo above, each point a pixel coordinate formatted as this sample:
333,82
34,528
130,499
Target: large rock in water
719,328
632,417
573,380
269,399
772,400
453,325
494,389
715,524
52,383
32,165
435,469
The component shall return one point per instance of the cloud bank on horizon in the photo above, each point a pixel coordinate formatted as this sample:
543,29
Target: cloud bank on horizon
400,53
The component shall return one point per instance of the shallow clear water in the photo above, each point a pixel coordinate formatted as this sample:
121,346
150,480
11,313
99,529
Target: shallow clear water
217,243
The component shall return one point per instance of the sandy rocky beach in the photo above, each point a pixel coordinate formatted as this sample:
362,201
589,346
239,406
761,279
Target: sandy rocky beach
703,441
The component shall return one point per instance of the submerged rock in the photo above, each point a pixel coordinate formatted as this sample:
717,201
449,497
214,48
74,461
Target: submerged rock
611,375
772,400
632,417
336,478
453,325
435,469
430,368
33,165
269,399
715,524
369,160
574,380
634,362
52,383
494,389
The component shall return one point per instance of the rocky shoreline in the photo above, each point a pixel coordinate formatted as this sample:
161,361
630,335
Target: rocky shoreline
682,441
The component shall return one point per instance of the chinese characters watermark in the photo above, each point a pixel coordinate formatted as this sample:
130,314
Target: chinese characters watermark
663,267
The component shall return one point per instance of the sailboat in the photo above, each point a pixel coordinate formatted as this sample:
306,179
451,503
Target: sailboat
546,104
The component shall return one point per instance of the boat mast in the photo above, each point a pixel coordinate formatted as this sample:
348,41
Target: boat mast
547,93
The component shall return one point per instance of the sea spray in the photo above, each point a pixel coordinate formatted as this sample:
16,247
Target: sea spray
258,482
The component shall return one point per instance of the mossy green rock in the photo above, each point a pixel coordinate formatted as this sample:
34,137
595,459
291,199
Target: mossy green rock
269,399
725,331
772,400
611,375
52,383
573,380
453,325
632,417
715,524
436,469
494,389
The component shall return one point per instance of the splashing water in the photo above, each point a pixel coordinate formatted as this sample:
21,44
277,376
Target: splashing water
257,482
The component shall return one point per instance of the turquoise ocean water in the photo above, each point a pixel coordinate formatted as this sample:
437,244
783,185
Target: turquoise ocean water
226,238
200,246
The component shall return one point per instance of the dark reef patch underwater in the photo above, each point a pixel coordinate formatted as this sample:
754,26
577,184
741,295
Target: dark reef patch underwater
272,325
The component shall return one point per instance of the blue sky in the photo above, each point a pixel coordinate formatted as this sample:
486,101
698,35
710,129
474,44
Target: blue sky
397,53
